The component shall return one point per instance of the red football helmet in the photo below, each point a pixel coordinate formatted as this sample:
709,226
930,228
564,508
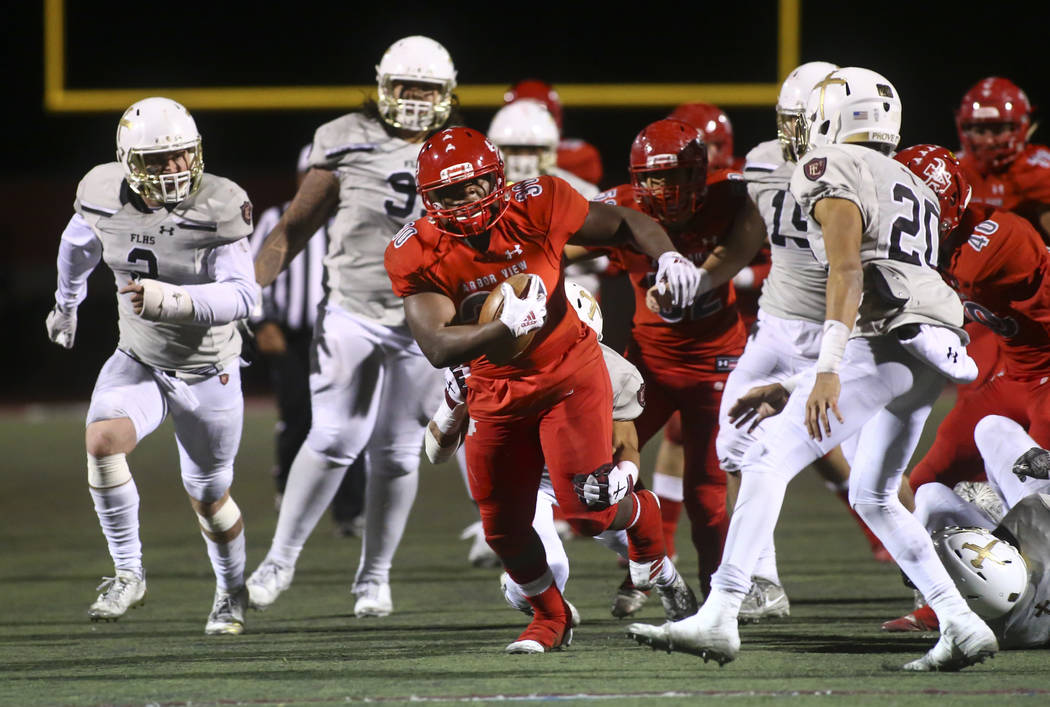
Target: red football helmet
669,170
540,91
941,171
993,122
450,163
715,127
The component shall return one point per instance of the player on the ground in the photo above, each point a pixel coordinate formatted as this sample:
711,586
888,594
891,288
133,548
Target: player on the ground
685,354
878,237
1000,267
553,403
1013,601
175,239
574,154
447,425
370,384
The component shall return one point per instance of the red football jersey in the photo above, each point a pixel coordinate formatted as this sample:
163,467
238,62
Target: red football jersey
543,214
1024,188
712,327
581,158
1001,269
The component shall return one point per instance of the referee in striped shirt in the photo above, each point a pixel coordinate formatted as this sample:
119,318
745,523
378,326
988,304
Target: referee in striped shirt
283,333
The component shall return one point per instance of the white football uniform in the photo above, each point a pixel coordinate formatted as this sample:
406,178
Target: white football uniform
886,394
369,381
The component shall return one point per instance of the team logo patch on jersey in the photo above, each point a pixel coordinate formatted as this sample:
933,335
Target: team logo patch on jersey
724,364
224,378
246,212
641,395
814,169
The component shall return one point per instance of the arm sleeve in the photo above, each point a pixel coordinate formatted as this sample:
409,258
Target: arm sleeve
79,252
233,293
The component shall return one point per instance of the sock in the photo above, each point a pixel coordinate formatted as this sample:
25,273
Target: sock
312,484
645,536
550,616
843,494
766,567
669,490
228,560
117,509
388,501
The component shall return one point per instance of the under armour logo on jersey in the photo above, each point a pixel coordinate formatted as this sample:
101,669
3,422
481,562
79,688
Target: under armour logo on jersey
953,356
1043,608
512,252
167,230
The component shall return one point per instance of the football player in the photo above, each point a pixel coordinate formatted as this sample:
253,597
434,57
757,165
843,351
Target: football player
574,155
553,402
175,239
875,236
686,353
1011,599
370,385
445,432
1000,267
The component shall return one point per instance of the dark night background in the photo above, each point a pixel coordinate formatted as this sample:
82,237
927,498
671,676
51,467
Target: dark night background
932,52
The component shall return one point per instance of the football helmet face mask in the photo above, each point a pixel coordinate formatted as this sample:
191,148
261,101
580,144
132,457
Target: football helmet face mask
668,166
160,150
540,91
993,122
941,172
461,181
854,105
989,572
586,306
415,61
714,127
527,136
791,106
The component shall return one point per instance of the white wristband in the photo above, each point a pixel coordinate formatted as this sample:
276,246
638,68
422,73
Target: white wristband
630,468
832,346
164,302
789,384
448,419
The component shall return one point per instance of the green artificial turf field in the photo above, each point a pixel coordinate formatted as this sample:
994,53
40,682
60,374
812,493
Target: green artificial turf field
444,641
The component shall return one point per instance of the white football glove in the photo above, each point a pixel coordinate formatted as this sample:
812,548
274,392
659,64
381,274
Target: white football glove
61,326
607,485
681,277
525,314
456,383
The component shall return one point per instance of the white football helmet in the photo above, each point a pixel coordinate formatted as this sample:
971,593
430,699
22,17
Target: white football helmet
989,572
854,105
147,132
586,306
791,106
422,60
527,136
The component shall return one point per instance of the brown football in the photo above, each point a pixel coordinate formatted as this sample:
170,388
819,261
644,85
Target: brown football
504,352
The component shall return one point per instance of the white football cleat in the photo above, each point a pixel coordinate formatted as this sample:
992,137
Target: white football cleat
765,600
710,634
480,554
678,599
227,613
525,647
982,495
628,600
964,641
267,583
373,599
125,591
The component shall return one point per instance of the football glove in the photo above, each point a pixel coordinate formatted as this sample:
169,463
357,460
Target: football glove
61,326
605,486
524,314
681,277
456,383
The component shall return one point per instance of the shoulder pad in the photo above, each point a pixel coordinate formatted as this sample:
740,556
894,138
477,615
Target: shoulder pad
98,194
221,204
346,135
764,157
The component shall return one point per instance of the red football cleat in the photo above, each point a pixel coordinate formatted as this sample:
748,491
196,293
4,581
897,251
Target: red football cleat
922,619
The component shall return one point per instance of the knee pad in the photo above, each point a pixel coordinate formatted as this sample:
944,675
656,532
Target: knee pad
108,471
207,487
395,460
225,518
331,443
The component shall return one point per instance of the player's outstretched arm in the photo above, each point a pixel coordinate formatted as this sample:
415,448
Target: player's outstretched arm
79,252
745,239
310,208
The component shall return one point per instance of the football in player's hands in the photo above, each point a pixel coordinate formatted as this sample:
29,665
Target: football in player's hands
659,298
507,350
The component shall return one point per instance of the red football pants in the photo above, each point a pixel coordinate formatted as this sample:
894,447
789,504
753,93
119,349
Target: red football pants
954,456
505,459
